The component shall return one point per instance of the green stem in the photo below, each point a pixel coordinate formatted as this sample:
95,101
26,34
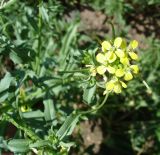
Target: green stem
41,92
74,71
39,39
97,107
113,30
26,130
145,84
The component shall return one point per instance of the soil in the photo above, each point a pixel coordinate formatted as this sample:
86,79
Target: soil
92,134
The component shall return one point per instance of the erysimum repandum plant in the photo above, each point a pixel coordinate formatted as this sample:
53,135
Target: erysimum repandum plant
116,63
38,93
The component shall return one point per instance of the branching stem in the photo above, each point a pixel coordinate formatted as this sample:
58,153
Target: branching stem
97,107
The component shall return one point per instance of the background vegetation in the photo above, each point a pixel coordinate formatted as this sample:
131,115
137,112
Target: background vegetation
39,42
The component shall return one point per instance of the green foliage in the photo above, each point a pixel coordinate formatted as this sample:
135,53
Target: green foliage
46,89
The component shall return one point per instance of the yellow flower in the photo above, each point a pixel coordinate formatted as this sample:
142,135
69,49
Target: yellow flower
123,84
117,88
111,69
111,56
120,53
124,61
128,76
93,71
101,58
133,44
118,42
106,46
25,108
117,59
119,72
101,69
110,85
133,55
135,69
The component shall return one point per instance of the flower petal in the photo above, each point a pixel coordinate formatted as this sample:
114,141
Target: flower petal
135,69
111,69
111,56
124,61
128,76
101,70
120,53
110,85
134,44
133,55
100,58
119,72
106,46
118,42
123,84
117,88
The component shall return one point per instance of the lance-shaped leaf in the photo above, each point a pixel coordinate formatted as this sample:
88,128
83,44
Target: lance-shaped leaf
6,3
49,111
18,145
4,85
68,126
33,114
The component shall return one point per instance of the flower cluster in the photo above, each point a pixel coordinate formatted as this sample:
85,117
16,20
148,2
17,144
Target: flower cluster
117,60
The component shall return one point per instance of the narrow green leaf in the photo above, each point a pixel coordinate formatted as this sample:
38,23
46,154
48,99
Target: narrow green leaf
44,13
49,111
18,145
68,126
3,96
4,85
67,40
15,58
5,82
6,3
66,44
33,114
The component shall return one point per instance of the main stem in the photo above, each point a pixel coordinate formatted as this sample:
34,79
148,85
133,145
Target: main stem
22,127
39,39
74,71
